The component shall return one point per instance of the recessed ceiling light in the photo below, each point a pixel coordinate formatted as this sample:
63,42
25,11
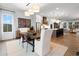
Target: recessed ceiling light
57,8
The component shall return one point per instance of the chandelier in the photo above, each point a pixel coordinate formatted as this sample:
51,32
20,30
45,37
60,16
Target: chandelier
32,9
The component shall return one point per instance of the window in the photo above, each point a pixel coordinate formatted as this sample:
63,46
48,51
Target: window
77,25
7,23
64,25
70,25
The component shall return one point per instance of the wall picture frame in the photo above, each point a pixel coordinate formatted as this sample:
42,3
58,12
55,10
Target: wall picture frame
24,23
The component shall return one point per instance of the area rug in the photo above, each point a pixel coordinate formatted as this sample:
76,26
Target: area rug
57,50
16,49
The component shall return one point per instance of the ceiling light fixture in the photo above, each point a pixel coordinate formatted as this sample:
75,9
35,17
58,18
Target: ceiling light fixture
33,8
31,11
27,13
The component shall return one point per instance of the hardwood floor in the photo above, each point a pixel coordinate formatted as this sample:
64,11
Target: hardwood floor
70,40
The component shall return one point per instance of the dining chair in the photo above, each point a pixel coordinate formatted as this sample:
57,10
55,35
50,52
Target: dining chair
42,46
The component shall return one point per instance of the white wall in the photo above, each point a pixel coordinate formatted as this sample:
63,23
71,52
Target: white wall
17,15
33,21
0,26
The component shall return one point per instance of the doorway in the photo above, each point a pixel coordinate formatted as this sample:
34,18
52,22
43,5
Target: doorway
7,26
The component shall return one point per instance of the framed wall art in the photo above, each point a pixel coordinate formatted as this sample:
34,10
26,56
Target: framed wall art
24,23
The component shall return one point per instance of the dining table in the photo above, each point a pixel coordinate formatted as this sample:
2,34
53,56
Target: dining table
31,42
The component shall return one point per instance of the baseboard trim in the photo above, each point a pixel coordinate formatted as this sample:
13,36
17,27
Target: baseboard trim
8,40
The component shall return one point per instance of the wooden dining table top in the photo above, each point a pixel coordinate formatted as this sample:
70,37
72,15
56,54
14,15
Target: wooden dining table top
37,36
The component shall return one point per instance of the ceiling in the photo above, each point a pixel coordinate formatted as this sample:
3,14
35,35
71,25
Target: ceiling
70,10
17,6
64,9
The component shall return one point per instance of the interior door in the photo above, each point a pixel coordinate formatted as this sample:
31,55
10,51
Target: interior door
7,26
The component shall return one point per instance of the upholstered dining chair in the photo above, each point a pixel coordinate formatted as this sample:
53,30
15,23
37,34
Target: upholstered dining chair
42,46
